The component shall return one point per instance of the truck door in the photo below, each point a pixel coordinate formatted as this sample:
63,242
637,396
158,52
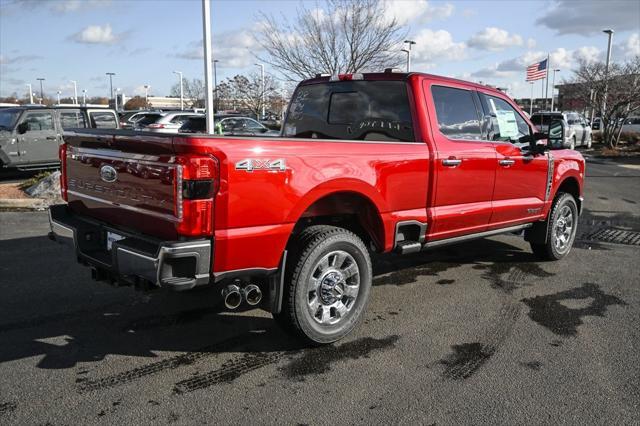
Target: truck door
38,138
521,177
464,164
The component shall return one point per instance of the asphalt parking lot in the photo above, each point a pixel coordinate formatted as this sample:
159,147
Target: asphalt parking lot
479,333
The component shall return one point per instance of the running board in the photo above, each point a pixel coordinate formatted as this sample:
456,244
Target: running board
463,238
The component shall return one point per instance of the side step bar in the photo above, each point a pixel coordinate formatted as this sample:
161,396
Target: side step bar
406,247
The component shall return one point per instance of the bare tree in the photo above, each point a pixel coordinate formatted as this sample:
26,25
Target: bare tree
613,96
193,92
245,92
343,36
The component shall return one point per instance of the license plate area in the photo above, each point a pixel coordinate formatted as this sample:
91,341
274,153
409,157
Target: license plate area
112,237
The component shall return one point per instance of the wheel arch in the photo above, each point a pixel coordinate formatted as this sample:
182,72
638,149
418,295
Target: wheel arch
354,206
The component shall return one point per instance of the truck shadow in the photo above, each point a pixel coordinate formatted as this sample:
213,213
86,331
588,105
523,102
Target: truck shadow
51,310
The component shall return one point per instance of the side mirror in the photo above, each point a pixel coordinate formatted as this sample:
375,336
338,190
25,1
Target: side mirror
539,142
22,128
556,133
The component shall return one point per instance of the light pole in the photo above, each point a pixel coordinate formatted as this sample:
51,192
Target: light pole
30,92
111,74
262,100
208,58
408,57
531,103
553,86
215,86
146,95
75,91
41,90
410,43
609,32
58,93
179,73
115,100
84,96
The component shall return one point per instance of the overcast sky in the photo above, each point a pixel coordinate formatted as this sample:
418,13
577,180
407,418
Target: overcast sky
143,41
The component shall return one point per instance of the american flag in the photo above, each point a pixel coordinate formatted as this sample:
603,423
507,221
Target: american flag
537,71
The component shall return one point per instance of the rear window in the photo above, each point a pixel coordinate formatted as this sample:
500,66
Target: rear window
72,119
103,120
351,110
544,119
148,119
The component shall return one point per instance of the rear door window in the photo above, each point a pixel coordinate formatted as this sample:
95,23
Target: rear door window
457,113
351,110
72,119
103,120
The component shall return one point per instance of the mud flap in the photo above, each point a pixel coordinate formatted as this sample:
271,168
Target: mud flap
537,234
276,287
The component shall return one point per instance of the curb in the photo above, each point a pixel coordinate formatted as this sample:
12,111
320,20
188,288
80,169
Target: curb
23,204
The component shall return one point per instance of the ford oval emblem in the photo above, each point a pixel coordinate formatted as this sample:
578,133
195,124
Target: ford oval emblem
108,173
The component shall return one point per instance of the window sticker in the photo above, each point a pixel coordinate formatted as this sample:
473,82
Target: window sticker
507,124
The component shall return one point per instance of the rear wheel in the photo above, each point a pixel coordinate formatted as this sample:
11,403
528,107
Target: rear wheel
326,286
561,230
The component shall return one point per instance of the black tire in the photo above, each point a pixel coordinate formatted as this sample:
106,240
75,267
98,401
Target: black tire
551,250
307,252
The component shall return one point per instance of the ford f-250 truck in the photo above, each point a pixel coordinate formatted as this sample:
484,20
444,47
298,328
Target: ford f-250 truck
366,162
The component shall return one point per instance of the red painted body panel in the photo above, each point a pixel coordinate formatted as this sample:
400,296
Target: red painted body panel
392,176
256,211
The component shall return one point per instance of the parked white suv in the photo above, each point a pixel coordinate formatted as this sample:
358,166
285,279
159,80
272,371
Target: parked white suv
578,131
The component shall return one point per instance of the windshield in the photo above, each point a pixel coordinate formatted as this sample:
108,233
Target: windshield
8,119
351,110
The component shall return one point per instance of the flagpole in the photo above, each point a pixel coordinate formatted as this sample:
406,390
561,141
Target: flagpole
546,94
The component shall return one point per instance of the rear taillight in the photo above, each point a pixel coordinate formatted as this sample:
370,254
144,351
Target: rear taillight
196,185
62,154
155,126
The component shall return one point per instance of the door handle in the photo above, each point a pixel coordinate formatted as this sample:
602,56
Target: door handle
451,162
507,162
51,138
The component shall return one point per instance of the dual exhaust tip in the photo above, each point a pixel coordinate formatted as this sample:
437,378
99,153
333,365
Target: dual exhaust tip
233,295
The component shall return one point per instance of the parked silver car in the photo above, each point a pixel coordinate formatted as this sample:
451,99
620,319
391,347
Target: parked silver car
169,122
578,131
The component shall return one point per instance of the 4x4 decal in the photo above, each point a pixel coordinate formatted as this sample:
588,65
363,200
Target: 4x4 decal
251,164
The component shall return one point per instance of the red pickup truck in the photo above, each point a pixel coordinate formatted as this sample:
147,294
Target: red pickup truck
365,162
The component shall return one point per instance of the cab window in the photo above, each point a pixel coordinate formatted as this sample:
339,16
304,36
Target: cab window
457,113
71,119
38,121
103,120
503,122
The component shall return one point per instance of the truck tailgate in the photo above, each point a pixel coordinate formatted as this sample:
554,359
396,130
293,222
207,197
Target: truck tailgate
127,180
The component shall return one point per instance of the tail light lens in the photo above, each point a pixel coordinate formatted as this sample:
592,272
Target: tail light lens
62,155
155,126
196,185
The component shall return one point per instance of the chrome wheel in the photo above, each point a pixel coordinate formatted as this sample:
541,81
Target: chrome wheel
333,287
563,229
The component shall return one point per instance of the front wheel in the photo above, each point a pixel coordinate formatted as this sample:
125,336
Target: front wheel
561,231
573,142
589,141
326,286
